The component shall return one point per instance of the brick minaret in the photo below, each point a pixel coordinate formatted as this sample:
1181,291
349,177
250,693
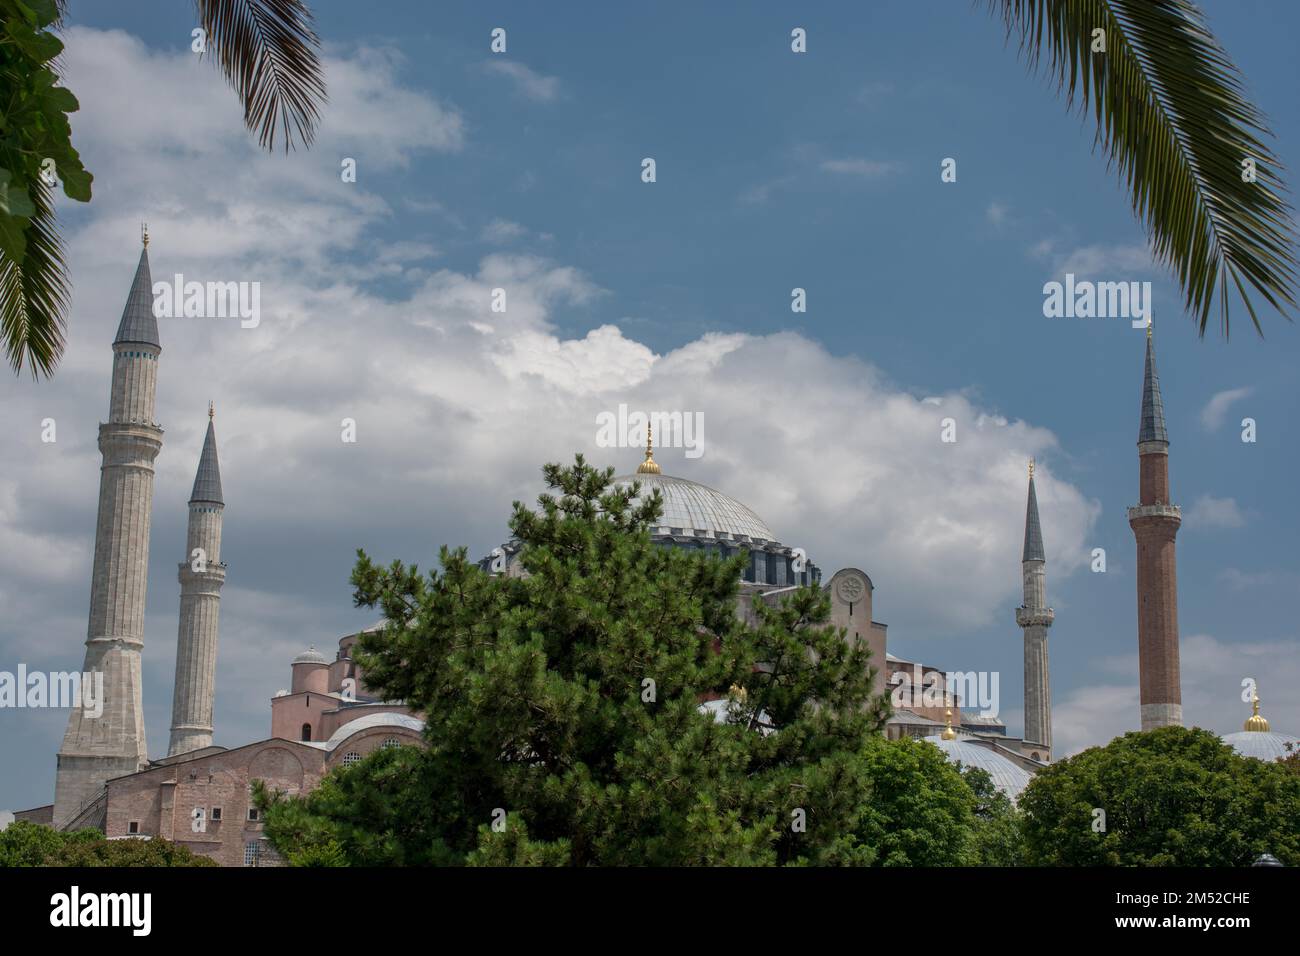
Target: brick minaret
1155,523
1035,617
201,576
95,749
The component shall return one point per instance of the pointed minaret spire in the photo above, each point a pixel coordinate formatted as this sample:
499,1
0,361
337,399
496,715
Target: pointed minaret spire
1152,427
207,482
1034,617
138,324
1155,522
1033,531
201,576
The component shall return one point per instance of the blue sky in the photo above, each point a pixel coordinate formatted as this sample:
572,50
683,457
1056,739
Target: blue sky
774,170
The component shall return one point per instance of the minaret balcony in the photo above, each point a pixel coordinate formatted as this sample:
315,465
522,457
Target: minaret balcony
1155,511
1034,616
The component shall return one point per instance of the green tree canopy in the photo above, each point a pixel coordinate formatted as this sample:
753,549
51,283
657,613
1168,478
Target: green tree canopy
1172,797
29,844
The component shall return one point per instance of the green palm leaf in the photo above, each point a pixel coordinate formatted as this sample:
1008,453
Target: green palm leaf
267,51
34,293
1173,119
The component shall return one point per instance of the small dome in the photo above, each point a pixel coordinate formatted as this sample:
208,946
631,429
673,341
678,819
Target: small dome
1009,777
310,656
691,506
1262,744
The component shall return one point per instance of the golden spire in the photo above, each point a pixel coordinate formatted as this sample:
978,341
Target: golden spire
948,732
1254,721
1031,469
209,409
649,466
1149,324
144,234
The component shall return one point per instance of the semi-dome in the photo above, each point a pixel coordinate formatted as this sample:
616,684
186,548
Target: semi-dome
1007,776
691,507
370,721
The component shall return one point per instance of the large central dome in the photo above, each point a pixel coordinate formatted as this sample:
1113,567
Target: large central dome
690,507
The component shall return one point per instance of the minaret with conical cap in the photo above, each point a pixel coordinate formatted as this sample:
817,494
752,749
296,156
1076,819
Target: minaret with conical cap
1034,617
96,748
201,576
1155,522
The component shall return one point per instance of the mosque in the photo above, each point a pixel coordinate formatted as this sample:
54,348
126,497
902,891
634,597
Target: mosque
199,793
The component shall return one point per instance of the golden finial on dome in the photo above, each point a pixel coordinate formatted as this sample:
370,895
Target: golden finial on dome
738,692
210,411
1255,721
649,466
1031,469
948,732
1149,324
144,234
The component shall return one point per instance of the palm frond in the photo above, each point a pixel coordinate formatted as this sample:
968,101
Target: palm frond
34,294
1173,119
268,52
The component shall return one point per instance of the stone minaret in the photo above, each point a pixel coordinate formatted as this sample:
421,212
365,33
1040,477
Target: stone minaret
1035,617
201,575
1155,523
95,749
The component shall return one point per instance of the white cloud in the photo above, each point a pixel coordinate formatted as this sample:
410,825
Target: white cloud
1208,513
996,213
530,83
1215,411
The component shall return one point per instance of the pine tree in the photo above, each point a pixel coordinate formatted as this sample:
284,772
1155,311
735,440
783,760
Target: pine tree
564,721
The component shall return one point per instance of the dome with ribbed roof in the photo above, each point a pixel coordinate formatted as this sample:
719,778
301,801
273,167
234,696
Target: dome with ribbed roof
1264,745
311,656
1009,777
691,507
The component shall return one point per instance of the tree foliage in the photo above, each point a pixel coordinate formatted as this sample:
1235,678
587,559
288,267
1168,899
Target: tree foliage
1171,797
29,844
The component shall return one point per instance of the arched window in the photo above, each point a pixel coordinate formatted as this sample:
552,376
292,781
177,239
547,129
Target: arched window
306,731
390,742
350,758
